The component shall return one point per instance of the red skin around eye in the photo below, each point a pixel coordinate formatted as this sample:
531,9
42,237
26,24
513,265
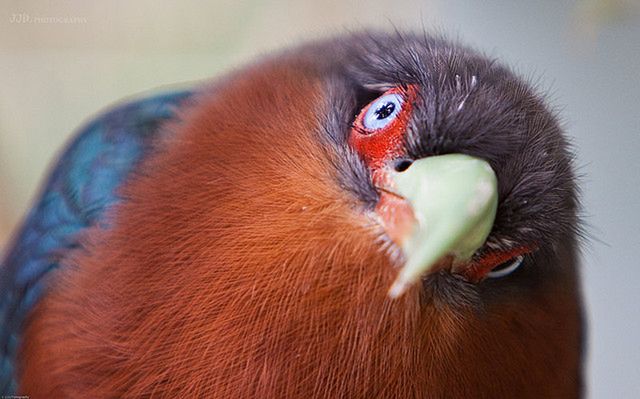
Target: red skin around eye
478,269
377,147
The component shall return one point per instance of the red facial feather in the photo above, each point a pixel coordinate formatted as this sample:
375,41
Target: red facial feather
376,147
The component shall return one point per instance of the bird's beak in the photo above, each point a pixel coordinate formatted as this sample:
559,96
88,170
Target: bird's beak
453,199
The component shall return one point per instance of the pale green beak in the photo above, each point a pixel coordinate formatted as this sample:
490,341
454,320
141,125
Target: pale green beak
454,199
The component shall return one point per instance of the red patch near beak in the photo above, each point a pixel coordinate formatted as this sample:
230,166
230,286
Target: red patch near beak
394,211
377,147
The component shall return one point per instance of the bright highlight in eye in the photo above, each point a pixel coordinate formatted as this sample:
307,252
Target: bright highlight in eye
382,111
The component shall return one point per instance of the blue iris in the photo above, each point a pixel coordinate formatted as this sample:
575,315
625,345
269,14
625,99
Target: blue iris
382,112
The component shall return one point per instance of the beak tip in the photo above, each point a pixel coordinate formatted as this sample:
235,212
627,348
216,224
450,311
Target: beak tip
453,199
399,287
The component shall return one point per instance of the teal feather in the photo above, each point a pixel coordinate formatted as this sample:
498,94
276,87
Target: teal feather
82,186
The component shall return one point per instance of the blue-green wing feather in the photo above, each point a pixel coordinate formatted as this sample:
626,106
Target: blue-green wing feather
81,187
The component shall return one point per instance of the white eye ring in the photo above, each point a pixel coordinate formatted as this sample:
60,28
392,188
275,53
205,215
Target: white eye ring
382,111
515,263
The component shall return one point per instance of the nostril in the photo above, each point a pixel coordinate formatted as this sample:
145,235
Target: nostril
402,164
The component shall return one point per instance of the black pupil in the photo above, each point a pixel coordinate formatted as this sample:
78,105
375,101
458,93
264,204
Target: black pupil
385,110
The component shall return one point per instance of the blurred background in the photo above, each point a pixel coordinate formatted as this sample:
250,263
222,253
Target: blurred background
63,61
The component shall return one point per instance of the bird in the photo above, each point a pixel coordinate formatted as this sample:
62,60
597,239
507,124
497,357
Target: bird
371,215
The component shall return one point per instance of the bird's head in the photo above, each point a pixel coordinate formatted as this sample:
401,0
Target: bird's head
456,165
373,215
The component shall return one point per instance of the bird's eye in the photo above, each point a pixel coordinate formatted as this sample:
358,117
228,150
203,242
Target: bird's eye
378,132
506,268
496,264
382,111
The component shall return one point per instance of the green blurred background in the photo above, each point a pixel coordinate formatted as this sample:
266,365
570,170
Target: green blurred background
63,61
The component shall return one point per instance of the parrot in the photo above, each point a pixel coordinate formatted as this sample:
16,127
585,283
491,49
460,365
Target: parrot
370,215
